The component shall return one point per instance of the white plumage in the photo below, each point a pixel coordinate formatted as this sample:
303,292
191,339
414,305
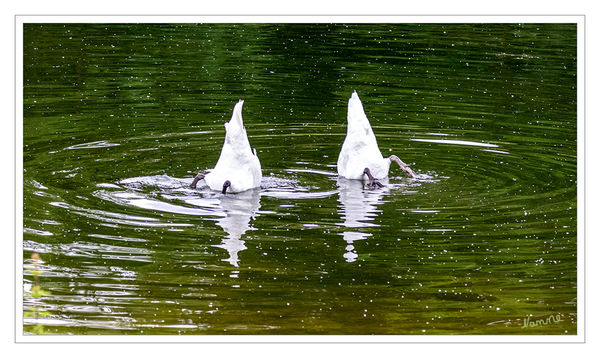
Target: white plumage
238,163
360,149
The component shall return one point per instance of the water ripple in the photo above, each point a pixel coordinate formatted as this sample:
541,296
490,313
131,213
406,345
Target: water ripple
93,145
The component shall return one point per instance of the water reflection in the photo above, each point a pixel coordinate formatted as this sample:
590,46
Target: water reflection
239,209
358,209
234,211
464,102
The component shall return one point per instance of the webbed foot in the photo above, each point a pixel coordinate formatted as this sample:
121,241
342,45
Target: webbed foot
196,180
226,185
373,183
403,166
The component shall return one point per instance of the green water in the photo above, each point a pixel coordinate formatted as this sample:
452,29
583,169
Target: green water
118,118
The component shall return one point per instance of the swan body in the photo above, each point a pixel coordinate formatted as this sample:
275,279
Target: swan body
238,168
360,150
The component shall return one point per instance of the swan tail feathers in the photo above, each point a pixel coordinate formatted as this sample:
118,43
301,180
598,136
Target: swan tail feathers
356,113
236,118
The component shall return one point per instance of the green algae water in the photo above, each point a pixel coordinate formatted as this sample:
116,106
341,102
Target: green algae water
118,119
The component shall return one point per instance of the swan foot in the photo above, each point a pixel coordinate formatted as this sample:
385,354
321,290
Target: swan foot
373,183
196,180
403,166
226,185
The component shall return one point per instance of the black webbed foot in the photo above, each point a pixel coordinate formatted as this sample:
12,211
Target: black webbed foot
226,185
373,183
196,180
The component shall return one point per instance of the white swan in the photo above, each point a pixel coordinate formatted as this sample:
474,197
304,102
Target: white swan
360,154
238,168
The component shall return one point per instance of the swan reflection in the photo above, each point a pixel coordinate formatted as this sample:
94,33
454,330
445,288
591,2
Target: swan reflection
358,209
239,209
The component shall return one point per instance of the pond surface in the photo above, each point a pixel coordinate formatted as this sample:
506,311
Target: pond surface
118,118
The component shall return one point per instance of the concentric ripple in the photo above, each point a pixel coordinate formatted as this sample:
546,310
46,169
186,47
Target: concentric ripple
118,119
